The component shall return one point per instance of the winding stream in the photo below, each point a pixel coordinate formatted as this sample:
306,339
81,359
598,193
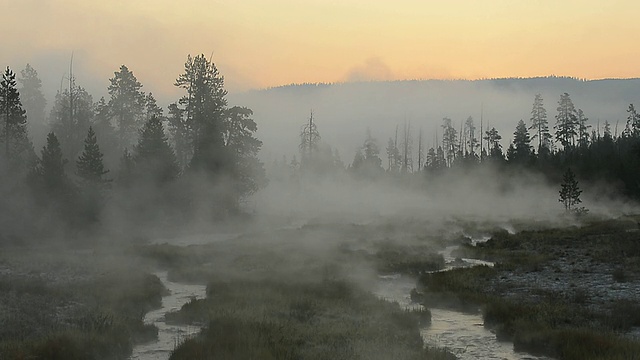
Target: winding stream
169,335
460,333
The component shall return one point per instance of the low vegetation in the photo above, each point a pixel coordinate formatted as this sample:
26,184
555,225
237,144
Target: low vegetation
72,312
524,297
330,319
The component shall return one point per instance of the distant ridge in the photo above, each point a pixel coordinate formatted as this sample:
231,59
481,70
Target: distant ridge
343,111
496,79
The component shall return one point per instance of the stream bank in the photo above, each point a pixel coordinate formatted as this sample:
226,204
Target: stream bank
169,335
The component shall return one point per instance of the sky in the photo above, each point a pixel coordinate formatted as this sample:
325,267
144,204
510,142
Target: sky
267,43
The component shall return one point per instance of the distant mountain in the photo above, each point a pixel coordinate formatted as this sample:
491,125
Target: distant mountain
344,111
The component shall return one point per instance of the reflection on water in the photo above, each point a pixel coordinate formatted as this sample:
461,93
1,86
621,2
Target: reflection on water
462,334
169,336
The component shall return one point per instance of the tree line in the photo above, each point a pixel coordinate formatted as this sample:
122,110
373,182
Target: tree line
596,153
122,156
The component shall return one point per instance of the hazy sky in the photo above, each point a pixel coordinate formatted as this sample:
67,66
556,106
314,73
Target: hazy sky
262,43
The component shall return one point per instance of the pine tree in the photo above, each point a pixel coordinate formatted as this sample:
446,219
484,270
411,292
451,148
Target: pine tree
309,141
154,158
449,141
521,152
34,104
90,166
569,191
566,122
17,148
127,105
633,123
50,169
540,124
583,129
243,147
203,109
393,154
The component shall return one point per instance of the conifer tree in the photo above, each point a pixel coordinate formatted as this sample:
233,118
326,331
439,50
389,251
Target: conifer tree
154,158
569,191
13,132
203,112
540,124
633,123
90,166
51,166
127,105
566,122
34,104
521,150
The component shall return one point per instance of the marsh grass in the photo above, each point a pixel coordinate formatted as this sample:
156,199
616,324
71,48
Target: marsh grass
544,321
273,319
98,318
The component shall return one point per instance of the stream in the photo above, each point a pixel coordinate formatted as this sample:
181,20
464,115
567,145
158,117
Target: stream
169,335
462,334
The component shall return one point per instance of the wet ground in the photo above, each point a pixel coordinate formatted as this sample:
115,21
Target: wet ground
169,335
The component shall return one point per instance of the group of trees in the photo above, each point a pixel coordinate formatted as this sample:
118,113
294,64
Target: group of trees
116,152
592,151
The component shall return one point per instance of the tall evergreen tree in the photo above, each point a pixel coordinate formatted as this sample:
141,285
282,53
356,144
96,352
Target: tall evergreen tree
521,152
151,108
248,172
449,141
181,134
493,140
127,105
50,169
34,104
16,147
309,141
89,165
569,191
154,158
471,142
204,108
566,122
633,123
393,154
540,124
582,129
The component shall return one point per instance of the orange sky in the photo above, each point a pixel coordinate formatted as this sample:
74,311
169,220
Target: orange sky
274,42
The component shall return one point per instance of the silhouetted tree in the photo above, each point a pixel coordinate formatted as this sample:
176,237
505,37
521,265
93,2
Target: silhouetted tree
203,113
540,124
34,104
17,148
126,104
566,122
367,158
582,129
89,165
520,152
633,123
50,173
154,159
243,146
181,134
393,154
569,191
90,168
309,141
493,140
449,141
